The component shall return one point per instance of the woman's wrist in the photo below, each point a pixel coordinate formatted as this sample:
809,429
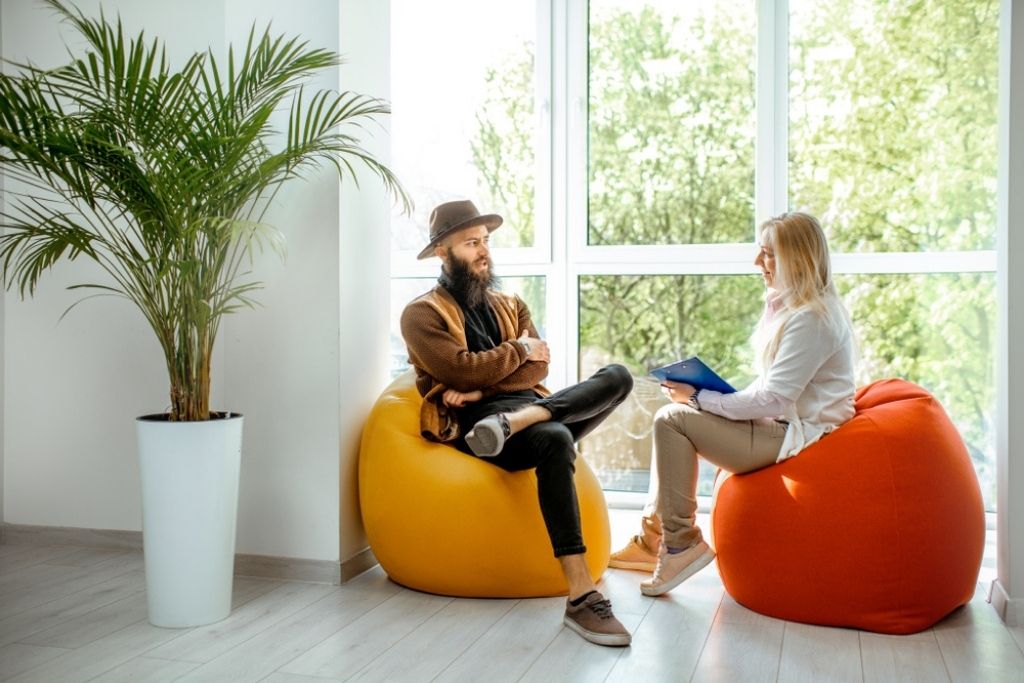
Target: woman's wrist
694,401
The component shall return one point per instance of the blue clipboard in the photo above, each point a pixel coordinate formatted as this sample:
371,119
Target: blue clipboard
695,372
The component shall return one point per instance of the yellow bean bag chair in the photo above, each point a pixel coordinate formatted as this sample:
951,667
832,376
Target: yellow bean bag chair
441,521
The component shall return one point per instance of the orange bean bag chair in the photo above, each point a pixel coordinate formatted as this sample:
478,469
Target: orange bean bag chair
878,526
441,521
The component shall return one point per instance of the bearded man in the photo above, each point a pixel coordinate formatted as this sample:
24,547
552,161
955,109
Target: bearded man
479,364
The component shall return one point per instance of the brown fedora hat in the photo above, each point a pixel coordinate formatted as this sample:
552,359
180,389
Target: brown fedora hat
454,216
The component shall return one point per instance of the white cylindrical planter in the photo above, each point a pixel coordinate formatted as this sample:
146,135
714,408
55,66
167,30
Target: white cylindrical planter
189,473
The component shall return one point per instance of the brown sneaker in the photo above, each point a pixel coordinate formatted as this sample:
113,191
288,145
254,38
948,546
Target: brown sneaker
672,570
636,555
593,619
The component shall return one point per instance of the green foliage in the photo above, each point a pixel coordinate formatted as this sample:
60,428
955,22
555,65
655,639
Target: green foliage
893,122
503,150
162,177
671,128
892,143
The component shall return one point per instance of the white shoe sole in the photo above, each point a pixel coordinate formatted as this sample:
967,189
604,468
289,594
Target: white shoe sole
695,566
609,639
486,439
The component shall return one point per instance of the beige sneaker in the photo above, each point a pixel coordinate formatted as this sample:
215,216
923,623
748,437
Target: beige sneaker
593,619
636,555
672,570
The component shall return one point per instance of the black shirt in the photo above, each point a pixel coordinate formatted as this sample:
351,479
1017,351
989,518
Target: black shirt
482,331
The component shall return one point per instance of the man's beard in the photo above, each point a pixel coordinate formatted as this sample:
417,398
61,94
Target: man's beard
468,287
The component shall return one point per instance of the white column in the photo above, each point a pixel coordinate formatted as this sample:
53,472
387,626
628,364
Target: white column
1008,588
364,255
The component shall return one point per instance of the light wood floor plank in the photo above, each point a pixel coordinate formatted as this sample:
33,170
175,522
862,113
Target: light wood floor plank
205,643
68,580
85,628
87,557
145,669
99,656
815,654
93,602
977,646
509,648
293,678
741,646
114,649
570,659
16,557
35,575
17,658
670,638
427,650
363,640
1018,635
899,658
93,625
50,614
267,652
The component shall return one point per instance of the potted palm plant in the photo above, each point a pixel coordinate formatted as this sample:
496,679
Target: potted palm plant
162,177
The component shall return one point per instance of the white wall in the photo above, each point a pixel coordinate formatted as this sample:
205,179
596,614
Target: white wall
1009,588
3,334
73,389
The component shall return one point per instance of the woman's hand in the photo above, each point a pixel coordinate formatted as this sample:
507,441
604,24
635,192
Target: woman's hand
457,399
678,392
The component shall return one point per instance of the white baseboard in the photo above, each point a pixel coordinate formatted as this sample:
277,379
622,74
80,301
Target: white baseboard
1010,610
266,566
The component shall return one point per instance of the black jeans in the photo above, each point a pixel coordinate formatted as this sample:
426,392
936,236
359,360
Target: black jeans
548,446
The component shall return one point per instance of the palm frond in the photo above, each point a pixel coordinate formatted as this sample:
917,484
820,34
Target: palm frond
162,176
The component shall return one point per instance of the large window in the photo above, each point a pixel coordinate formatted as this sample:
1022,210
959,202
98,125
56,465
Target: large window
465,112
634,146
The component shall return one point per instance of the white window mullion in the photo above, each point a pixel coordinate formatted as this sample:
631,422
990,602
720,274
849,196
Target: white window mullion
772,106
557,326
573,78
544,98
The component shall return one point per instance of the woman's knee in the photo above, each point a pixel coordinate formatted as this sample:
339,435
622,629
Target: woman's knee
673,415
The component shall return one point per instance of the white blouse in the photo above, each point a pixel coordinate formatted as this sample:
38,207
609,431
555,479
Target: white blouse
810,383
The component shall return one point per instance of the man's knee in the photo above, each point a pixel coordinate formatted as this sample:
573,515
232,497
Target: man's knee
619,376
554,440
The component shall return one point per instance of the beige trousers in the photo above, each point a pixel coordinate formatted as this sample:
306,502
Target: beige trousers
681,433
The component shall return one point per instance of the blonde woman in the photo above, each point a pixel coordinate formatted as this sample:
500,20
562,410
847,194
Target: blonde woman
804,391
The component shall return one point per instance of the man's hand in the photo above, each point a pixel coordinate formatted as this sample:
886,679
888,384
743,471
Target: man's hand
458,399
678,392
538,349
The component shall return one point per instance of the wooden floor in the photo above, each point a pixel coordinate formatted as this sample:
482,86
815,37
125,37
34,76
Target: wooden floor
79,614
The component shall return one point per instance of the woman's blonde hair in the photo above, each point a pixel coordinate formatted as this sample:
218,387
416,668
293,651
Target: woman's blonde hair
802,276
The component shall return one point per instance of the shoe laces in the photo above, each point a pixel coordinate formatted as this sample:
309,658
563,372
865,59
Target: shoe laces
505,427
602,608
639,540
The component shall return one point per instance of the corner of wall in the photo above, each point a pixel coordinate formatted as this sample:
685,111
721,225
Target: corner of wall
3,325
364,259
1010,356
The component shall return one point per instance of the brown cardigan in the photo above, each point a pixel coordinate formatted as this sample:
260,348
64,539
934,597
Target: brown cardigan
435,334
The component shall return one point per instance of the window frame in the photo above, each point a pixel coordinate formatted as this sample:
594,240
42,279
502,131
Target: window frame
562,256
